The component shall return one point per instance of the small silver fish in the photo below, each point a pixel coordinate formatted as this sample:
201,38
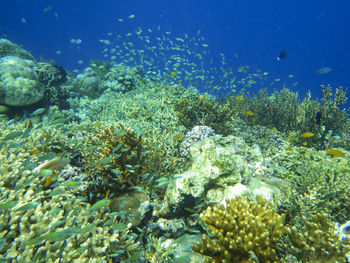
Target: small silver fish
323,70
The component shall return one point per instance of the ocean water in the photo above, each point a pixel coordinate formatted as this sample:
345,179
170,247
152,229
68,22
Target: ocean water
315,34
134,134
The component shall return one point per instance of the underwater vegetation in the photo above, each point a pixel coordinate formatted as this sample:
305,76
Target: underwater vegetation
126,162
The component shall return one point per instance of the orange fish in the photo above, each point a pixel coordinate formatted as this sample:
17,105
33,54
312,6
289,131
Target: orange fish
178,137
51,179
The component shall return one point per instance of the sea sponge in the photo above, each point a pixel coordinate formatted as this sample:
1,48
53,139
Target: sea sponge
241,231
18,83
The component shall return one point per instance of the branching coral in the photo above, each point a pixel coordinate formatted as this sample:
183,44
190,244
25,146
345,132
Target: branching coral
203,110
283,111
320,243
241,231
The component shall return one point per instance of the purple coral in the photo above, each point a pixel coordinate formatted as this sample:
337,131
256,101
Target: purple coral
197,134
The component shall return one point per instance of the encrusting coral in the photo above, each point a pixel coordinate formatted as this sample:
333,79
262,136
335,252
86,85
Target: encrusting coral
241,231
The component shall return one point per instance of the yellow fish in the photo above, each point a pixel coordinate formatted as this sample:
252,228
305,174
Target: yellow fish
249,113
335,153
178,137
173,73
307,134
239,98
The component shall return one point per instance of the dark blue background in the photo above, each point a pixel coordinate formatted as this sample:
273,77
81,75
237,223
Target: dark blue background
316,33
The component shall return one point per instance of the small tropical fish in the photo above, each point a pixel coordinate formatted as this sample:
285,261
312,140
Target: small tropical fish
178,137
51,179
288,149
105,160
335,153
36,151
304,143
56,192
27,206
47,9
249,113
239,98
13,135
323,70
282,54
173,73
38,111
307,134
131,16
99,204
8,205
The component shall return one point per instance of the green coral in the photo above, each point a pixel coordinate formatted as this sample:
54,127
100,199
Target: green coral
7,48
115,155
283,111
318,242
322,184
18,83
204,110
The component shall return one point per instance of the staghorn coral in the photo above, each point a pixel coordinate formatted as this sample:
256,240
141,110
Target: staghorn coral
204,110
32,228
283,111
320,243
243,231
321,183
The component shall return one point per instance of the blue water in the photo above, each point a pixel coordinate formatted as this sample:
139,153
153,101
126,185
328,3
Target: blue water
316,33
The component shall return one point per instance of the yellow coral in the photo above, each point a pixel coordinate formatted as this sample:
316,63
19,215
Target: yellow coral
241,231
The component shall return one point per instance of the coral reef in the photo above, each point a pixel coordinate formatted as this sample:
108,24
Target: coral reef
204,110
50,74
241,231
7,48
41,224
283,111
221,167
322,184
101,76
18,83
195,135
114,154
320,242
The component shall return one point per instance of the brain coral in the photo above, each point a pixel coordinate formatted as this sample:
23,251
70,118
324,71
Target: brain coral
18,84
